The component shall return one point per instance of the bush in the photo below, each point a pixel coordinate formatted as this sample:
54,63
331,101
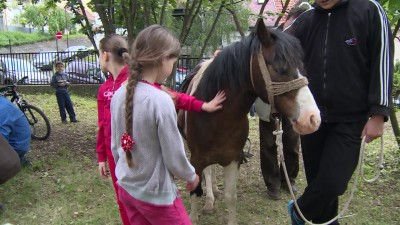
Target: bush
396,80
19,38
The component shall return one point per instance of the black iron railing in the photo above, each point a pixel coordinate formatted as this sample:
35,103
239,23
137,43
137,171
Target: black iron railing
82,67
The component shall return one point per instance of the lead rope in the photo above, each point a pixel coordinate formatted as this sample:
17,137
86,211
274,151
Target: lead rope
278,133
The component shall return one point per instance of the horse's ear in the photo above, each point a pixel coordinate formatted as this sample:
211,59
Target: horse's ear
263,34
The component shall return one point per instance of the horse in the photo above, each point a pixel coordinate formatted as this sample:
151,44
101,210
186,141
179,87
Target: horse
265,64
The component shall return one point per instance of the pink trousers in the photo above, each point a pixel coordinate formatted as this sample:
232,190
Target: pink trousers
122,211
143,213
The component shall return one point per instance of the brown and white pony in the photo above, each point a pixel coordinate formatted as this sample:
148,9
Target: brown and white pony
265,64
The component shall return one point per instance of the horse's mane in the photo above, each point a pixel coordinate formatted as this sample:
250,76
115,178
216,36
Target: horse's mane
231,68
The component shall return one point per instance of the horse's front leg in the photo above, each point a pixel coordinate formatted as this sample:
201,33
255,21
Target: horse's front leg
215,189
231,174
210,199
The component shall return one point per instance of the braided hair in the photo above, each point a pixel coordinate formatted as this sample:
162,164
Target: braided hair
147,51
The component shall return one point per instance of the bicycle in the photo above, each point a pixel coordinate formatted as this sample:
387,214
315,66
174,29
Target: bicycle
40,125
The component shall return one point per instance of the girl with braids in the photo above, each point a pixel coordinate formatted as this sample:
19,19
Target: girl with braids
151,149
146,145
112,51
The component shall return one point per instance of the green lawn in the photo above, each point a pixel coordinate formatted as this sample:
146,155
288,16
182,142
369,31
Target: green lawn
63,186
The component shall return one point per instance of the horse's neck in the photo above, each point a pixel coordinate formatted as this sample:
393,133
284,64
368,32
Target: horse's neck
199,75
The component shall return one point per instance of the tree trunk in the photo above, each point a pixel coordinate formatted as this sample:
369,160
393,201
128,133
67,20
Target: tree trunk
146,13
189,18
100,8
393,117
263,7
88,26
203,49
85,23
129,10
162,16
237,23
282,13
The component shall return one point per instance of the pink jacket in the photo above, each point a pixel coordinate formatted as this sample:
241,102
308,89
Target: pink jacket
104,96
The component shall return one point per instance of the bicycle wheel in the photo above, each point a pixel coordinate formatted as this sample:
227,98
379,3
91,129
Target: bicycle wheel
40,125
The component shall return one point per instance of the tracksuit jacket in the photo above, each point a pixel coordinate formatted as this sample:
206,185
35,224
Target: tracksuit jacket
351,76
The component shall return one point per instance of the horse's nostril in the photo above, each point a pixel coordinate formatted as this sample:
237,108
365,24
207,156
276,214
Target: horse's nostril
314,121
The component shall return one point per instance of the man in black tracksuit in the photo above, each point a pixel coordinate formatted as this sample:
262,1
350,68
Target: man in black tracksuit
349,61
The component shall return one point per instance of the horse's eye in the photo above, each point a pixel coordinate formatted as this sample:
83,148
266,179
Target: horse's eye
281,71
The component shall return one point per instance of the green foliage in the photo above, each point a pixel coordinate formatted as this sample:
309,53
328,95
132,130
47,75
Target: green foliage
63,185
224,31
18,38
396,80
59,20
392,9
38,16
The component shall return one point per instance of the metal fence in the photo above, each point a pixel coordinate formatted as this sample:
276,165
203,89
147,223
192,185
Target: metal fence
81,67
39,67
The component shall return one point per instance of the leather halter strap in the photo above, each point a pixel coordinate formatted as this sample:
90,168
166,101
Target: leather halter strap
275,88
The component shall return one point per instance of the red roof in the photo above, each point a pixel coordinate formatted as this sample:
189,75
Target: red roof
255,8
273,6
279,7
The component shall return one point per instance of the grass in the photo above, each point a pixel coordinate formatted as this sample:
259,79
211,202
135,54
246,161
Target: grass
20,38
63,186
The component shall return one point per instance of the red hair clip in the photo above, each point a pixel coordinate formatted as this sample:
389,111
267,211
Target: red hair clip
127,142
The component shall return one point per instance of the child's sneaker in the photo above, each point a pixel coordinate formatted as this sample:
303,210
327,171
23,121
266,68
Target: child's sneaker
293,216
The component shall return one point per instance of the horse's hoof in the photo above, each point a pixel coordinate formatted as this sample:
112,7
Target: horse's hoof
218,193
207,210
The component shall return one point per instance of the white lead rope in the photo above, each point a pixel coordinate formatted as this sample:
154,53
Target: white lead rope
278,133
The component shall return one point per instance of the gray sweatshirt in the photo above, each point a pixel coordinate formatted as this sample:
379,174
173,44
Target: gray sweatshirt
158,153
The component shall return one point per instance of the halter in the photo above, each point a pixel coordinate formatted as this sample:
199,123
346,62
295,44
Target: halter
275,88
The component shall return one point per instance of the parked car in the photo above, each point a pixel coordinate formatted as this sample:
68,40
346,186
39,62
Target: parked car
12,69
73,52
180,76
44,60
85,73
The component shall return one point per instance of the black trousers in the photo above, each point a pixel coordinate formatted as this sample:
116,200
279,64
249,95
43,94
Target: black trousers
272,172
330,157
64,103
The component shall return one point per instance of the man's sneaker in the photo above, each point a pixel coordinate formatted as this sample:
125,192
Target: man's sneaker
64,122
293,216
74,120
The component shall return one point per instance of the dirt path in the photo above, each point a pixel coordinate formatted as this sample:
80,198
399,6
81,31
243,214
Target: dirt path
47,45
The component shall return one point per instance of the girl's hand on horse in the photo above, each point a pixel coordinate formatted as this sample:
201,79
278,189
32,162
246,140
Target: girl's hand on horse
103,169
190,186
215,104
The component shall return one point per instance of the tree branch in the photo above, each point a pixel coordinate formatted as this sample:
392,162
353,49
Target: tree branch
237,23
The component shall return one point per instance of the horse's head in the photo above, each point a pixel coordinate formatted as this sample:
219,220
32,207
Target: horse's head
276,77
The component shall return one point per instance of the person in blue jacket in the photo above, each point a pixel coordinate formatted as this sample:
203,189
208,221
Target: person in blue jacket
14,127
